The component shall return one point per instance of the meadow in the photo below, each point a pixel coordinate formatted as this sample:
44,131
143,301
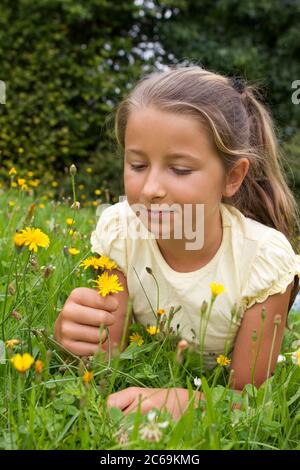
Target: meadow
51,399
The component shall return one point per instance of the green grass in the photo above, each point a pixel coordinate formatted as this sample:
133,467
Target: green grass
56,410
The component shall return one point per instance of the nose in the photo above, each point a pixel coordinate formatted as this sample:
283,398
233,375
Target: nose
154,186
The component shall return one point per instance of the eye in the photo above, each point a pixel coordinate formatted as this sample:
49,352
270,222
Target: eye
183,171
137,167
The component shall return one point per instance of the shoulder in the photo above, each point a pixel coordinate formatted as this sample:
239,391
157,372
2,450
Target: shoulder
267,261
109,236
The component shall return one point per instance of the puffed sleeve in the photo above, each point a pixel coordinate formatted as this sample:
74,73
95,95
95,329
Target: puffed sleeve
273,269
109,237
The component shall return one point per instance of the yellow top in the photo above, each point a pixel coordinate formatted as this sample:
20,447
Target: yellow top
253,262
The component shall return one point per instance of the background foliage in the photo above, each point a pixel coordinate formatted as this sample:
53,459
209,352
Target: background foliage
67,63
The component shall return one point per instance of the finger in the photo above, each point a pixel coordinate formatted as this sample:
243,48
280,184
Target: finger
81,348
85,333
123,399
146,406
87,315
91,298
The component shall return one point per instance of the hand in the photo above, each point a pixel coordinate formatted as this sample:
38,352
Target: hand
174,399
77,326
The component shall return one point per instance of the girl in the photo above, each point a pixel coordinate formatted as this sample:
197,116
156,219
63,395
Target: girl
195,138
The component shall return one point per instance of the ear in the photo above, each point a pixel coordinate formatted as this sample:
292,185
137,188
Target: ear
235,177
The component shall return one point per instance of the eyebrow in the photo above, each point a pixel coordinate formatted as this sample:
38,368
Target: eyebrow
170,155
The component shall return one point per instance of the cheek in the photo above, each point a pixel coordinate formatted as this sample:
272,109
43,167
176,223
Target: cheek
132,183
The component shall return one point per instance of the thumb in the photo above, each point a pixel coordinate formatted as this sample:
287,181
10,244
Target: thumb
123,398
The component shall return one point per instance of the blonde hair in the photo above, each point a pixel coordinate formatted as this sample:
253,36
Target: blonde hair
240,126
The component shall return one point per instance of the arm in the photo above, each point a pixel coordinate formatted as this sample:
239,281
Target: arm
245,349
176,399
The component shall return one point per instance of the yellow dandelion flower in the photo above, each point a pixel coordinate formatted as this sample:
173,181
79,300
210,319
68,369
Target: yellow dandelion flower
73,251
34,183
87,376
70,221
160,311
42,206
98,192
92,261
14,184
22,362
12,171
81,187
11,203
136,338
106,263
20,150
216,289
24,187
108,284
11,343
89,170
31,237
38,366
223,360
54,184
30,174
152,330
21,181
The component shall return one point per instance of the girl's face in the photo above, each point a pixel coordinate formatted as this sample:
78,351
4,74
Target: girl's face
169,159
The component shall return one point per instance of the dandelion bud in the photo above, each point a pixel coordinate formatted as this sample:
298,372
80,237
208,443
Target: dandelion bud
11,289
277,319
75,205
38,367
48,270
203,307
73,170
263,313
16,315
254,336
149,270
66,251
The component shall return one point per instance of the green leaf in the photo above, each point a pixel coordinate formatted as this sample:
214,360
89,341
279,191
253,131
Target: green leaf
134,350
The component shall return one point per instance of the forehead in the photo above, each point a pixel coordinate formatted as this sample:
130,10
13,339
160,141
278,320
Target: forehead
150,127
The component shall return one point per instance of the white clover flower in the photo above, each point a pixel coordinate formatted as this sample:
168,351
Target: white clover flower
151,415
281,358
151,432
197,381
